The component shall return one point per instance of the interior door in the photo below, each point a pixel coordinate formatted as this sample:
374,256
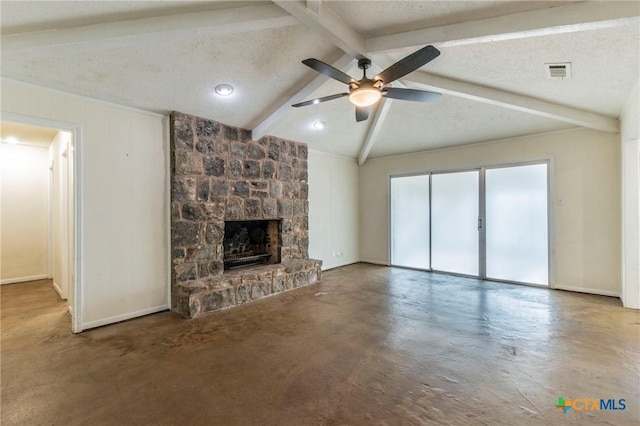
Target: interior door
454,222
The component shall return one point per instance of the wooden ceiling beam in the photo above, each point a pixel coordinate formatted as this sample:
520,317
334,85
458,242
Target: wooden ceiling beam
154,29
584,16
487,95
327,23
298,93
375,125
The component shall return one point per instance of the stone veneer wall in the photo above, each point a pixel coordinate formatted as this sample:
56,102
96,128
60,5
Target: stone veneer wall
218,173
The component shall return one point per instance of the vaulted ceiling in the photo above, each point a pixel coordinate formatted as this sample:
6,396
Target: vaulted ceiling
169,55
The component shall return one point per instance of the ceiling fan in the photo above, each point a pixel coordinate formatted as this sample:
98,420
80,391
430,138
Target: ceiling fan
366,92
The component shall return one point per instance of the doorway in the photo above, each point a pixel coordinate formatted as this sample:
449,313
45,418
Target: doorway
490,223
39,201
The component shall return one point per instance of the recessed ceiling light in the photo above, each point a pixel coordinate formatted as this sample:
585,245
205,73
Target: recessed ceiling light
224,89
319,125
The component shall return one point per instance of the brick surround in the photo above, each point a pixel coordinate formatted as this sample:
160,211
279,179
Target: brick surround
218,173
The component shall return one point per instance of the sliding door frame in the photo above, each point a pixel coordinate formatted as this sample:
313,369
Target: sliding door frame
550,197
482,237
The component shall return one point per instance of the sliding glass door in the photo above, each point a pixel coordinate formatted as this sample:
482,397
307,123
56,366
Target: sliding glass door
489,223
454,209
517,224
410,221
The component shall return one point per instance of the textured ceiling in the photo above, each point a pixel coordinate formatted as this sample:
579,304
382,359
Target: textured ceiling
181,75
452,121
173,69
604,66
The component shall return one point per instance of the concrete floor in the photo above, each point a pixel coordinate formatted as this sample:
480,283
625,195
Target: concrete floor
367,346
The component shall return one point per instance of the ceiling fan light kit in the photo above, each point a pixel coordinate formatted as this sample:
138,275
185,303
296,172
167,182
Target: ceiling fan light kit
366,92
365,96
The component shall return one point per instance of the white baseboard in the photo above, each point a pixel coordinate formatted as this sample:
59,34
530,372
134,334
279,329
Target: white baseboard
123,317
338,265
374,262
58,289
24,279
587,290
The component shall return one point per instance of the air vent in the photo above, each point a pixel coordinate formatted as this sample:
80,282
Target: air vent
559,70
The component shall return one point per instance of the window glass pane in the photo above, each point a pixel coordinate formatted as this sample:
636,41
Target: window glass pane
410,221
516,225
454,209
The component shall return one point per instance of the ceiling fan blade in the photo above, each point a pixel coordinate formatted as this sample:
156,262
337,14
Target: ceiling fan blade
318,100
328,70
410,94
408,64
362,113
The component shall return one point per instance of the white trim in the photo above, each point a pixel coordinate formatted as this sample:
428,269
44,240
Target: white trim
24,279
78,175
50,256
77,286
587,290
84,98
124,317
166,127
551,220
374,262
328,267
57,288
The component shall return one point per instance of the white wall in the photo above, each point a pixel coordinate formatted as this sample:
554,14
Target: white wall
123,200
333,209
630,141
585,174
24,213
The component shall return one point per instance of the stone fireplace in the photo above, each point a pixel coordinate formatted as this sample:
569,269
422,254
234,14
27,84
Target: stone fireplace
239,216
251,242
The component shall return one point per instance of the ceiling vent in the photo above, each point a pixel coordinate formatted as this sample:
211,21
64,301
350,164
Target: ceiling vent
560,70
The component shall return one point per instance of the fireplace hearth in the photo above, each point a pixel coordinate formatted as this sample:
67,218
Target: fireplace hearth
251,242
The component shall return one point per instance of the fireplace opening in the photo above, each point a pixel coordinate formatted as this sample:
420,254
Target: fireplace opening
251,242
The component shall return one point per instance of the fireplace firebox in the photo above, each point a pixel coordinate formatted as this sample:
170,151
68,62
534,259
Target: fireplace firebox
251,242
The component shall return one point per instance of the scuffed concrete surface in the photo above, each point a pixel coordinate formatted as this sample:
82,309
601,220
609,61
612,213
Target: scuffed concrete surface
367,346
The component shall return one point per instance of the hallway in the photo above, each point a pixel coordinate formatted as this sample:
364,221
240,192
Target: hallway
369,345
